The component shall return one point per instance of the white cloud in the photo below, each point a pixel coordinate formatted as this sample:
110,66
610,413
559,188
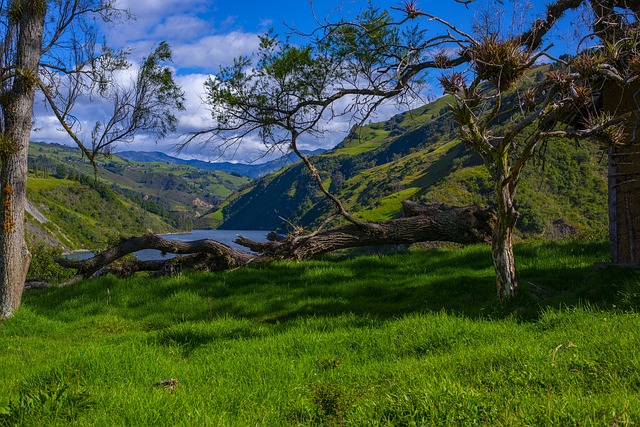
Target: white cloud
149,13
196,116
212,51
201,41
181,27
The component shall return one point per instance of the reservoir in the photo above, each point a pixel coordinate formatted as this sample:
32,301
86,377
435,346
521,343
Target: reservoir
223,236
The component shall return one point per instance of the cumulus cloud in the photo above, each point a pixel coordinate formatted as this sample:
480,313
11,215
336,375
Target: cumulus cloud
181,27
151,16
212,51
196,115
202,40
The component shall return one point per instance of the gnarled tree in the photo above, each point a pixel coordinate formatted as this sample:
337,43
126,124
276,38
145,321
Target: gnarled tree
286,92
289,91
50,46
471,224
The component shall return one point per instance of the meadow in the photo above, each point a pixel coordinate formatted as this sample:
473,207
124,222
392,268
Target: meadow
414,338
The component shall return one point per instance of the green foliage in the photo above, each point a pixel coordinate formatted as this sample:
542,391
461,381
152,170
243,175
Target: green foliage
148,105
404,339
43,265
49,403
159,96
276,90
368,42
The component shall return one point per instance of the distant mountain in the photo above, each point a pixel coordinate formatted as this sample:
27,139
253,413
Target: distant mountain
248,170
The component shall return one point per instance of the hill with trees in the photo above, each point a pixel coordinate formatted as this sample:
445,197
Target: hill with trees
417,155
83,210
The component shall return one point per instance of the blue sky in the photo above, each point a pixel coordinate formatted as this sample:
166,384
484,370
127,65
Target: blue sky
206,34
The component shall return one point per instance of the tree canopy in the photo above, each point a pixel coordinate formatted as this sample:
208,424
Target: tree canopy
352,67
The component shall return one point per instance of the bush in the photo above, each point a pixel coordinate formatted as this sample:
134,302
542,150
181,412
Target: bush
44,267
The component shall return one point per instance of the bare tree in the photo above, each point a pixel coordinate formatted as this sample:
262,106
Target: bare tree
51,46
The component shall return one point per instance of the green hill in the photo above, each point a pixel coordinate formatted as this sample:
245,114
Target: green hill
415,155
71,205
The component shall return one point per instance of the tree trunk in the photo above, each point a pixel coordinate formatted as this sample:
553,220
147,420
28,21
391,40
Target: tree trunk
471,224
14,144
624,204
502,241
222,256
624,179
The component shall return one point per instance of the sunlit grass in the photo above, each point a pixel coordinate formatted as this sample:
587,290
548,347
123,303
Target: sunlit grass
405,339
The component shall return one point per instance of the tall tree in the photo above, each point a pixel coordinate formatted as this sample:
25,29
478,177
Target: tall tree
616,61
50,45
611,67
291,90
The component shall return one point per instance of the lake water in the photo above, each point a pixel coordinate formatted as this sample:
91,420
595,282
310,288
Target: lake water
223,236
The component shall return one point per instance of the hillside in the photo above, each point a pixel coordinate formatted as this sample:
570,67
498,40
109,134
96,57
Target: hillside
416,156
72,206
84,215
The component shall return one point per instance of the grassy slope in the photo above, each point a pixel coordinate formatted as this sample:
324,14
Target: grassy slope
416,155
177,186
81,217
409,339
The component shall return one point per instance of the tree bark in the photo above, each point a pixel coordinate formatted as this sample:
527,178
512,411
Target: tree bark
465,225
624,178
220,255
17,111
502,240
470,224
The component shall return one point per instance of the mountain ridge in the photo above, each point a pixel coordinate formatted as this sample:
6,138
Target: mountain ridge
244,169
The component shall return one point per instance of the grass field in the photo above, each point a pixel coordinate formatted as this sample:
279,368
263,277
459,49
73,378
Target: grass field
405,339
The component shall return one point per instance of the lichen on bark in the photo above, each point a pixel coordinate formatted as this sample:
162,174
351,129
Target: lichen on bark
8,147
8,222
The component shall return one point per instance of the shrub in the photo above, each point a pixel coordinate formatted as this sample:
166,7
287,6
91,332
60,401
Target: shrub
43,265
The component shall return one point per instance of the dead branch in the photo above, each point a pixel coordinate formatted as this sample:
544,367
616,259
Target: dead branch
218,254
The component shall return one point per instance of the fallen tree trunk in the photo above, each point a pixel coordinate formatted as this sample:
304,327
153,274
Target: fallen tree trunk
218,255
470,224
422,223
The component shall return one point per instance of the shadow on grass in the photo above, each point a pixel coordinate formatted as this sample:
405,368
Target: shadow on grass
460,282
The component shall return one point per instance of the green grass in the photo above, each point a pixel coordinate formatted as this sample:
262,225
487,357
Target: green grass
403,339
39,184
